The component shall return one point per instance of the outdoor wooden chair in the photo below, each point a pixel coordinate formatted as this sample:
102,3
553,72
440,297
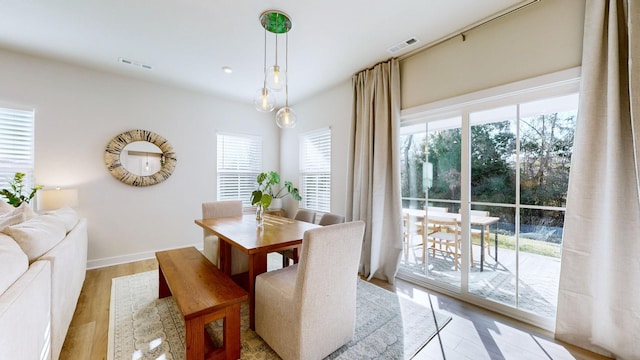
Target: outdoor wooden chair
430,227
447,240
410,233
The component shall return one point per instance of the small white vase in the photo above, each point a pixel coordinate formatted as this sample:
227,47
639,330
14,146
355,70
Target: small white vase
276,204
259,215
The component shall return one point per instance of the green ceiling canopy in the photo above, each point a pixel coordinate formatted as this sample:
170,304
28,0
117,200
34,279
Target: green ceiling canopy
275,21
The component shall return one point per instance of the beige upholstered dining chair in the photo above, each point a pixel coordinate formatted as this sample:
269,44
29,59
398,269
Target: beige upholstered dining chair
302,215
330,219
308,310
216,209
306,215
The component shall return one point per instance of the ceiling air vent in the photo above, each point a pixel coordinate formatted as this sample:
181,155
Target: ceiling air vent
135,63
403,45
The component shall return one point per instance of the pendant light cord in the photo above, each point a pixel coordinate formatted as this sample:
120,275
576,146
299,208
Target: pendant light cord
264,85
286,70
276,49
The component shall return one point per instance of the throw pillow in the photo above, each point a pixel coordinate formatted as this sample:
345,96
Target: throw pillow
11,219
26,210
37,235
67,215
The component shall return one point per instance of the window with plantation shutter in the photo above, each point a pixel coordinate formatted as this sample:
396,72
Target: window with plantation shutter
239,162
16,145
315,170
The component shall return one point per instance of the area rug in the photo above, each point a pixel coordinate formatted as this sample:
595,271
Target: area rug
141,326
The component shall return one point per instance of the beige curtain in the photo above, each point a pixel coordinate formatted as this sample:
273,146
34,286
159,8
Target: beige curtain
599,297
373,185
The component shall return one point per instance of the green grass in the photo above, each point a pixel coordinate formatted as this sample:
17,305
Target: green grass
528,245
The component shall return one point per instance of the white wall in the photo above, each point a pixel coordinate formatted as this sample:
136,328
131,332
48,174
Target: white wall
78,111
332,109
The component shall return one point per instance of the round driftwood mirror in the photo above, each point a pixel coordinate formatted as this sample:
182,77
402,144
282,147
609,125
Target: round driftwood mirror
131,146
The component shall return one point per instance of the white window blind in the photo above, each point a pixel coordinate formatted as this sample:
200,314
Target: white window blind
315,170
239,162
16,145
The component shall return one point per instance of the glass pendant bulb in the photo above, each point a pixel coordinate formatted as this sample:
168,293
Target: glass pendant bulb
286,118
276,78
264,100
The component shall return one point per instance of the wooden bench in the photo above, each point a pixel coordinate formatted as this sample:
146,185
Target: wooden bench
203,294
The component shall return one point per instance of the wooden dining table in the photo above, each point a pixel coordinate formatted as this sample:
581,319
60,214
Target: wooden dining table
480,222
242,232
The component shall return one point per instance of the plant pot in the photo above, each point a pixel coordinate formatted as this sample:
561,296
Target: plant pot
276,204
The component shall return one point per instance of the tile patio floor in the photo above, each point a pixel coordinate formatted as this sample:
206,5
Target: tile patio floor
538,285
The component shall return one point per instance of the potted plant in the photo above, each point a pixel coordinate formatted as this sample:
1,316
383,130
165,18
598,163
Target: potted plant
14,195
266,193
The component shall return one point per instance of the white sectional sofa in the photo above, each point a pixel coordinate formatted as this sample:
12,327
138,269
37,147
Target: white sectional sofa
42,269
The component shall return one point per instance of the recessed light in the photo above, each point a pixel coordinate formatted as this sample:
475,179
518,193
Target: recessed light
227,69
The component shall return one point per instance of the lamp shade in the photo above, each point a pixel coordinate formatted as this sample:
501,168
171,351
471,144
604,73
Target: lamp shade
50,199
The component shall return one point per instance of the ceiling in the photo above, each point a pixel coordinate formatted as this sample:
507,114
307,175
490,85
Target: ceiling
188,42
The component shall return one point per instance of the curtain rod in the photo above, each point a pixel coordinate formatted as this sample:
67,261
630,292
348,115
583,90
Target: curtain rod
466,30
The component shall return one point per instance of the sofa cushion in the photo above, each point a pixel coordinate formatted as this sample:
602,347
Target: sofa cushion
13,262
37,235
5,208
67,215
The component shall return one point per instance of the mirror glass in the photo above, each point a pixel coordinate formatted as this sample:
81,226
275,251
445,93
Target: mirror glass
141,158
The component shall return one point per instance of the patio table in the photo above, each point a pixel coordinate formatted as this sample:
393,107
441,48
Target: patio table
478,221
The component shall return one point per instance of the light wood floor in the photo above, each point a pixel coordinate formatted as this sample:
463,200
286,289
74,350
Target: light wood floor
472,334
88,334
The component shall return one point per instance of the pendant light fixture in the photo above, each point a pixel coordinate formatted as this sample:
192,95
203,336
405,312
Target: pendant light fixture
264,100
275,77
277,22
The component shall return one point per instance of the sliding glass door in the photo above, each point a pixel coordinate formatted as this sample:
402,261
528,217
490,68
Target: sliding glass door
502,173
430,168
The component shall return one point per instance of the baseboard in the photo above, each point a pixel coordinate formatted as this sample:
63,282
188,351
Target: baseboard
123,259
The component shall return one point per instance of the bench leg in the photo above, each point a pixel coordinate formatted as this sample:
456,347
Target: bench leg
231,337
163,288
194,338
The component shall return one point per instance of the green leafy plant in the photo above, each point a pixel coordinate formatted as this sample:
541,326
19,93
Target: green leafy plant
266,189
14,195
